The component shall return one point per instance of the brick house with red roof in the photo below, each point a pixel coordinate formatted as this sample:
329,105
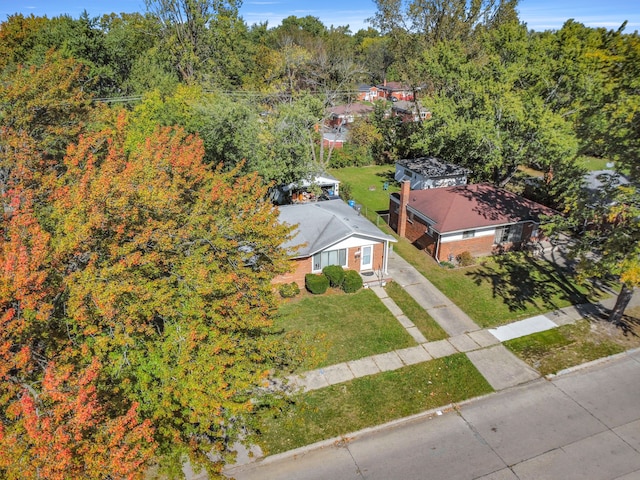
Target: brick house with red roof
341,115
479,218
397,90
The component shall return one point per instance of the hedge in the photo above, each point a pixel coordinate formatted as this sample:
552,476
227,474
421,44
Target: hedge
352,281
335,274
316,283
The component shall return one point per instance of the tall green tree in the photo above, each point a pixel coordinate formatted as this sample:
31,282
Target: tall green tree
205,39
288,141
606,235
486,117
415,25
142,296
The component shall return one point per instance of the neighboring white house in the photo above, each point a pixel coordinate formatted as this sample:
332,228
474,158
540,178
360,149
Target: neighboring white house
429,172
299,191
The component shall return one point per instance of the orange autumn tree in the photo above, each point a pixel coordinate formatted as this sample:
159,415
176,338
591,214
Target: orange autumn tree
54,423
148,301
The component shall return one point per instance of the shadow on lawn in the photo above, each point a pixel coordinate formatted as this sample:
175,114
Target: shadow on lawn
630,325
523,281
388,176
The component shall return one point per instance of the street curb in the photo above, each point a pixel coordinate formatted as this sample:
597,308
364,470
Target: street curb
427,414
592,363
348,437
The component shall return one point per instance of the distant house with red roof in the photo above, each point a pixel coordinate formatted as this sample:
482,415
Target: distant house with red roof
397,90
341,115
479,218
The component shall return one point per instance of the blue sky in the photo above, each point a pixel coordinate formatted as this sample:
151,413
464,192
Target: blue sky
538,14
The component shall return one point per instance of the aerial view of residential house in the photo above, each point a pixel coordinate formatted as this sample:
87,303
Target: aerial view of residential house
480,219
333,233
368,93
410,111
302,191
334,138
397,90
429,172
342,115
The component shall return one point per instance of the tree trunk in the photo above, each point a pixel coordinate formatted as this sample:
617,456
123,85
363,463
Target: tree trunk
624,297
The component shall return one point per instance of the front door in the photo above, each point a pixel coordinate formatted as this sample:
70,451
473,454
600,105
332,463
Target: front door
366,258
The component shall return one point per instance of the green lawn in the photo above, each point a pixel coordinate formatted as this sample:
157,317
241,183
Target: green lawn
367,184
414,312
502,289
593,163
566,346
372,400
343,326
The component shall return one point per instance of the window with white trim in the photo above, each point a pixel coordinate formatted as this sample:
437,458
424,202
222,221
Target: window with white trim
330,257
509,234
468,234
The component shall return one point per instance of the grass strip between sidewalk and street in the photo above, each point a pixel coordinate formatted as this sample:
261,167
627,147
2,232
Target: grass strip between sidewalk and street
571,345
372,400
414,312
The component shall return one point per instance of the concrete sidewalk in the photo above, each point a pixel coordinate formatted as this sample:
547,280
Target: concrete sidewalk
483,347
502,369
448,315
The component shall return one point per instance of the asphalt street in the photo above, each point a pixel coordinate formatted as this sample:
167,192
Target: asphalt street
583,424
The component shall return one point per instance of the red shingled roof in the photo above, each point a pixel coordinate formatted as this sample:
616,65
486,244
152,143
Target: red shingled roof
467,207
353,108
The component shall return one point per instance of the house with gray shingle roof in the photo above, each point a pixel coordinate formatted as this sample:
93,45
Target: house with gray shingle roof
429,172
332,233
410,111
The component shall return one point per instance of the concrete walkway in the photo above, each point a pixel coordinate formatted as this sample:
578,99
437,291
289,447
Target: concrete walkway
483,347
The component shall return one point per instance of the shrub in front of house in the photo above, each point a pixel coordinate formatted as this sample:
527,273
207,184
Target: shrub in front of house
316,283
289,290
465,259
352,281
335,274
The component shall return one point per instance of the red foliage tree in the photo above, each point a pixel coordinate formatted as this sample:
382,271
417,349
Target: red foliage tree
136,305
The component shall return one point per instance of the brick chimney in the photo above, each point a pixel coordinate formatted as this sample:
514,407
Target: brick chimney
405,190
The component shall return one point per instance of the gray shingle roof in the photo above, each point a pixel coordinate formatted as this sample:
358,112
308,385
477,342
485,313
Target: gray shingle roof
322,224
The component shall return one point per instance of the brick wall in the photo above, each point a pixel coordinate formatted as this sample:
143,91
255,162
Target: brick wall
482,246
477,246
299,268
303,266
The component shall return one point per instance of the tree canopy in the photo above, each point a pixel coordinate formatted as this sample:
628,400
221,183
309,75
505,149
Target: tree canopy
136,154
136,305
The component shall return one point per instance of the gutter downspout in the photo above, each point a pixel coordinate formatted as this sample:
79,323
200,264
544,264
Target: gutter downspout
438,248
386,257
